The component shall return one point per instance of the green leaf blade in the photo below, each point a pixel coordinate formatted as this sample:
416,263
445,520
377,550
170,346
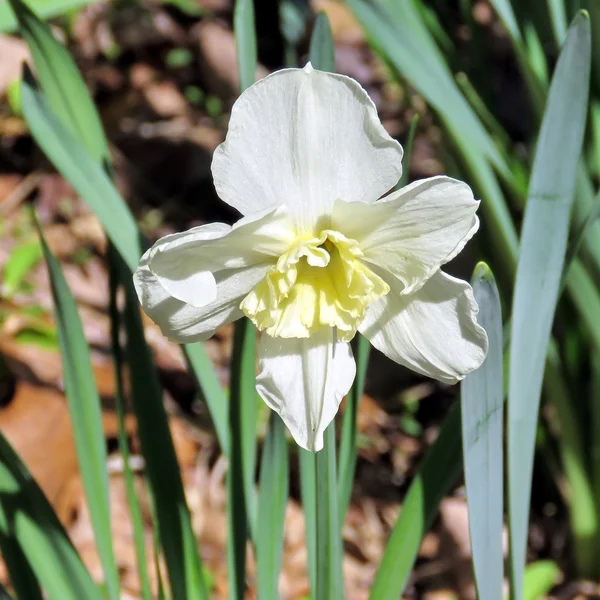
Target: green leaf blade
86,416
434,479
27,518
543,247
482,400
72,160
274,476
62,83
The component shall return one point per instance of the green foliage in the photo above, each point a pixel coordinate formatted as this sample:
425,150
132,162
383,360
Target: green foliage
30,531
86,417
23,258
543,247
272,503
46,9
433,480
482,401
412,40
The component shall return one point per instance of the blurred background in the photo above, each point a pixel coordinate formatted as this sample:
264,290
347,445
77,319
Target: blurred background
164,76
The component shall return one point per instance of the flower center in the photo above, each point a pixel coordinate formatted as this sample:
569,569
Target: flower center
319,282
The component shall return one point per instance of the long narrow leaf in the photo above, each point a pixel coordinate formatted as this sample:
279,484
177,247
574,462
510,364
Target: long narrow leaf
63,86
86,416
70,158
322,52
543,246
396,29
20,573
245,39
308,489
119,364
434,479
482,400
212,392
43,8
247,411
271,508
27,518
329,543
176,534
347,454
242,451
69,100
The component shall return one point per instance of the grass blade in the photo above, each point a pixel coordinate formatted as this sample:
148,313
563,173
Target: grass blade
396,29
579,487
242,456
245,39
329,543
86,416
322,51
20,573
176,534
347,454
119,363
273,497
540,578
27,518
69,100
62,83
434,479
558,18
212,392
482,400
71,159
308,488
46,10
543,246
507,16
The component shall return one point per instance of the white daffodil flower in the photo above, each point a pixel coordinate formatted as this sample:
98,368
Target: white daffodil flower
317,256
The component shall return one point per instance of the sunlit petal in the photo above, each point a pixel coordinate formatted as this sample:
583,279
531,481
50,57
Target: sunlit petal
185,263
433,331
304,138
412,232
184,323
304,380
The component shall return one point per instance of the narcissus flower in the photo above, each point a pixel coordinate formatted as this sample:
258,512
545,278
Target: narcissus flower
317,255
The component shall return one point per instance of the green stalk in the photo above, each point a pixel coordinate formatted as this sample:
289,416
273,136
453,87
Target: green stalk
595,453
347,456
118,363
581,504
329,551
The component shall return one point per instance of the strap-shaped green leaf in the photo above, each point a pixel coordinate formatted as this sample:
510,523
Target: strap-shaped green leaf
86,416
27,518
272,503
434,479
63,86
71,159
482,400
543,247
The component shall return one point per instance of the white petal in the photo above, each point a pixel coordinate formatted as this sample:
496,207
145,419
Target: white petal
304,138
184,323
433,331
304,380
412,232
185,263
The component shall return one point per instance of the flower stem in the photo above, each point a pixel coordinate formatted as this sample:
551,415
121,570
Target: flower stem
329,550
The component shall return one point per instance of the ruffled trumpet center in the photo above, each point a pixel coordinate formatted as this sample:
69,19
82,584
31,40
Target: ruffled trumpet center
318,282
